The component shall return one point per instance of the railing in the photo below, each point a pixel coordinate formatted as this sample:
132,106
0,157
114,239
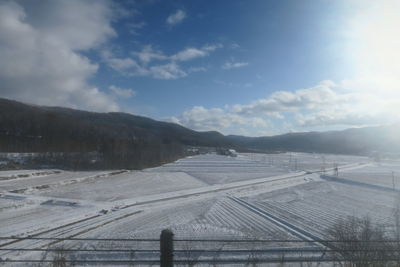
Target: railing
168,251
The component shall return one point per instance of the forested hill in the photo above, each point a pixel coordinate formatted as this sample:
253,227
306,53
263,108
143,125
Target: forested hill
120,140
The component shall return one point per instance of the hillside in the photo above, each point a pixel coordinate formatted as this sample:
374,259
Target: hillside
118,139
121,140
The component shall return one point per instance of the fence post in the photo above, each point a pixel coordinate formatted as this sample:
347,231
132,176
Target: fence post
166,248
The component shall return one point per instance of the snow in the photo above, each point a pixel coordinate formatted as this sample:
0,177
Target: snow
216,169
382,174
49,179
316,206
306,161
123,186
194,197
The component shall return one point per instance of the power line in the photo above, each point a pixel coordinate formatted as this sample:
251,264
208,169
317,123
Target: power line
194,240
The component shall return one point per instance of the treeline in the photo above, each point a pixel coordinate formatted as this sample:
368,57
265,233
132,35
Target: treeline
138,157
95,153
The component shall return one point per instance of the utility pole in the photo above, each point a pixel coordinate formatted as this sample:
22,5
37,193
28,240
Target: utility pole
394,186
335,170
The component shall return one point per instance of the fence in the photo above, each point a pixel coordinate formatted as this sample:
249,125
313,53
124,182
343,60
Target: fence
168,251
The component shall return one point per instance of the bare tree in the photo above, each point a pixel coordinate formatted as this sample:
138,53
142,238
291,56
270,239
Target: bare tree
57,256
396,229
214,261
190,255
360,243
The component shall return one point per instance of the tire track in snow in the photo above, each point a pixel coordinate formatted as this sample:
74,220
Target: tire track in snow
294,230
67,231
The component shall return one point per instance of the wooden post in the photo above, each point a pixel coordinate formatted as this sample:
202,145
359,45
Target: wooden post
166,248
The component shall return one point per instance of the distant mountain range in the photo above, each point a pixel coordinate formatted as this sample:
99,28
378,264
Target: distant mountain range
358,141
126,137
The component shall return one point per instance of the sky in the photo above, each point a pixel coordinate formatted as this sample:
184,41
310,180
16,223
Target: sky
254,68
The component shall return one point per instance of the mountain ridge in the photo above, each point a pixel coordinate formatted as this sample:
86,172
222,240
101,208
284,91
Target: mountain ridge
122,137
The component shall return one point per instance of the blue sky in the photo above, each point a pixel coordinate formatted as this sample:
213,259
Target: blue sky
239,67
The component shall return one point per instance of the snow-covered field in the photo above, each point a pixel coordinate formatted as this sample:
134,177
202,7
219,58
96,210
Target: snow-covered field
316,206
385,174
124,186
252,196
306,161
215,169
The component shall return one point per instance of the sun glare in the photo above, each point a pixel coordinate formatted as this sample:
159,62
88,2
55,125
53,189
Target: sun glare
374,51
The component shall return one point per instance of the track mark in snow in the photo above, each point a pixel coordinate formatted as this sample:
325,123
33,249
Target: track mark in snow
73,229
97,226
281,223
51,230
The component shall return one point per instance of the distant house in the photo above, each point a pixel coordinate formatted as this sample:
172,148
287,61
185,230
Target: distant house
226,152
232,152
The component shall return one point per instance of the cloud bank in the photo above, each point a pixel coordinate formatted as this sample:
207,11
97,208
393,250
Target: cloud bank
347,103
41,44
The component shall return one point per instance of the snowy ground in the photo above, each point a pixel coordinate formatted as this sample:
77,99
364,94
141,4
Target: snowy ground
215,169
306,161
385,174
124,186
316,206
252,196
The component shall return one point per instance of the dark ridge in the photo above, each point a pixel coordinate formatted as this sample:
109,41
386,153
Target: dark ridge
80,139
114,140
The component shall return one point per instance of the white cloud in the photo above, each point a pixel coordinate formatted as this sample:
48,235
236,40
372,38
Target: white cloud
118,64
154,63
135,27
311,98
40,45
120,92
176,17
128,66
212,47
189,54
217,119
234,65
234,46
197,69
148,54
338,117
121,64
168,71
192,52
350,103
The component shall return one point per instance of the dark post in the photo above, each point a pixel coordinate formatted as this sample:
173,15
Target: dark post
336,170
166,248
